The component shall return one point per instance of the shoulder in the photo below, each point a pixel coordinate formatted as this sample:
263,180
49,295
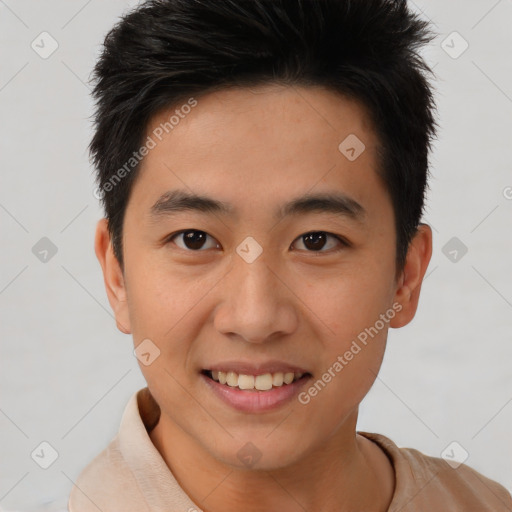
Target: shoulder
129,475
103,481
431,483
109,481
460,485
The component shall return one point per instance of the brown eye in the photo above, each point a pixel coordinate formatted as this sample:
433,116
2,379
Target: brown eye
316,241
192,239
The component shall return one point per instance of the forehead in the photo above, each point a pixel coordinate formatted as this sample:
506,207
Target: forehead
261,144
305,112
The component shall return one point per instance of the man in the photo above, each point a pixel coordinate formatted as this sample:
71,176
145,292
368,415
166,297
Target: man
263,167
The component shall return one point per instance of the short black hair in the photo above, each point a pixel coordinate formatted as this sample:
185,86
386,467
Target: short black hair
165,51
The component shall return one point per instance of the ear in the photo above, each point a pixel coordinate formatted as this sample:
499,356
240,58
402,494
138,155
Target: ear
112,276
411,279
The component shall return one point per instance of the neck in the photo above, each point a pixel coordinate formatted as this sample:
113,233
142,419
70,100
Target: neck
347,472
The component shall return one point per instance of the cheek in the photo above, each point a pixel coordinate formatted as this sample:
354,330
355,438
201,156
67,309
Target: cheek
156,296
356,309
347,305
169,307
350,364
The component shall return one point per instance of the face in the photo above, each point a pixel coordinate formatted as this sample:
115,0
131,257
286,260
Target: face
248,284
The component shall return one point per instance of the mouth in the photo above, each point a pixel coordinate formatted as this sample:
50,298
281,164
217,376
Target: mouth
256,383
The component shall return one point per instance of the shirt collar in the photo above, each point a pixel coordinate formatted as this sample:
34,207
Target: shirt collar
156,482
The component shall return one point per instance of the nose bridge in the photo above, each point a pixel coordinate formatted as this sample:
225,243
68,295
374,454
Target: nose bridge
256,304
257,283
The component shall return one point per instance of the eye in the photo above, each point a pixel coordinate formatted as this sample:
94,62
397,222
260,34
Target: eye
314,241
193,239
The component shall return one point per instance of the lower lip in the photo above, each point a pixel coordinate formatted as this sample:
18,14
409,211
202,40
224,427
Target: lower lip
255,401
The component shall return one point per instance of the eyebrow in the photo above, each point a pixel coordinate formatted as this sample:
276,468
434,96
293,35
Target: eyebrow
176,201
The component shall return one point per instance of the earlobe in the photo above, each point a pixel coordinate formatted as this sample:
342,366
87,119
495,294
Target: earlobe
408,289
112,276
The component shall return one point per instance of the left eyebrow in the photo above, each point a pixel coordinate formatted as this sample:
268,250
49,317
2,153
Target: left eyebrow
336,203
176,201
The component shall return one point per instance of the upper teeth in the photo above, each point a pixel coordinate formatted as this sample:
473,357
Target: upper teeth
259,382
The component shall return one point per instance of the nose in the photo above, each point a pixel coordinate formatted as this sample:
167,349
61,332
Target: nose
256,304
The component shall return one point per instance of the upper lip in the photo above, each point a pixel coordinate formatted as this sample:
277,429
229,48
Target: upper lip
252,368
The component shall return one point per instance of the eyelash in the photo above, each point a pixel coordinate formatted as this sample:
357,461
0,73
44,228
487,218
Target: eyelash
344,244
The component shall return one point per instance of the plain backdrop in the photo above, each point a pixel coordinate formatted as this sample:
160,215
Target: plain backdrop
67,372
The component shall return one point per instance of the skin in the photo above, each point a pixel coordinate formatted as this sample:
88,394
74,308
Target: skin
258,149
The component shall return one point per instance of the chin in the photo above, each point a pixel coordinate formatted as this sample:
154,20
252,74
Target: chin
258,453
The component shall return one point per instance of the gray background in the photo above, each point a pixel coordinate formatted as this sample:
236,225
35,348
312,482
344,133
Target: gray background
67,373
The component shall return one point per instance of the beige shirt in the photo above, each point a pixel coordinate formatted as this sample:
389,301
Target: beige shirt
130,475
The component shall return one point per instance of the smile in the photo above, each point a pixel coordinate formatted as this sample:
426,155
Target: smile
251,393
